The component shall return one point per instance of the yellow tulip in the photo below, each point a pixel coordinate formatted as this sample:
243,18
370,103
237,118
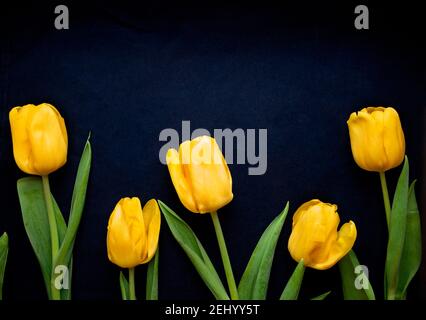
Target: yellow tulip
39,137
132,237
314,237
200,175
377,138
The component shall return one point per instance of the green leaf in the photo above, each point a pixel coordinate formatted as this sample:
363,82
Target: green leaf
412,251
66,293
60,221
36,223
4,249
152,278
322,296
77,205
62,228
398,225
291,290
195,251
254,282
347,267
34,213
124,287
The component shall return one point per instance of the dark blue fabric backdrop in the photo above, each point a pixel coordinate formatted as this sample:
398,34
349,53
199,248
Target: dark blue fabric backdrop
125,72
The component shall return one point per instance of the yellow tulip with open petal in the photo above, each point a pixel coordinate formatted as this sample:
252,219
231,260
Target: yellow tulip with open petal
314,237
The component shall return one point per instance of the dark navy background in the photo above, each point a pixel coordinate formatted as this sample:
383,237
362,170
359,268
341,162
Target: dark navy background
125,72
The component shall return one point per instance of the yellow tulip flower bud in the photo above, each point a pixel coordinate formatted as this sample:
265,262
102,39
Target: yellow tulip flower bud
133,233
200,175
39,136
314,237
377,138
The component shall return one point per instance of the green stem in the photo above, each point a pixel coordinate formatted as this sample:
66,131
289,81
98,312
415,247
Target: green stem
385,197
132,293
391,295
225,257
54,239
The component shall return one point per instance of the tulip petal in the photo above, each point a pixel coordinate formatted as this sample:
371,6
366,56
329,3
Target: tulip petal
152,219
303,208
394,141
366,134
61,123
345,240
126,239
18,118
48,145
211,181
314,231
135,221
180,181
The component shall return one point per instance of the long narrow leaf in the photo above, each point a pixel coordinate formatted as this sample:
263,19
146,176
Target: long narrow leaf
62,229
60,221
4,249
77,205
195,251
34,214
124,287
254,282
152,278
348,272
292,289
412,252
66,293
322,296
398,224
